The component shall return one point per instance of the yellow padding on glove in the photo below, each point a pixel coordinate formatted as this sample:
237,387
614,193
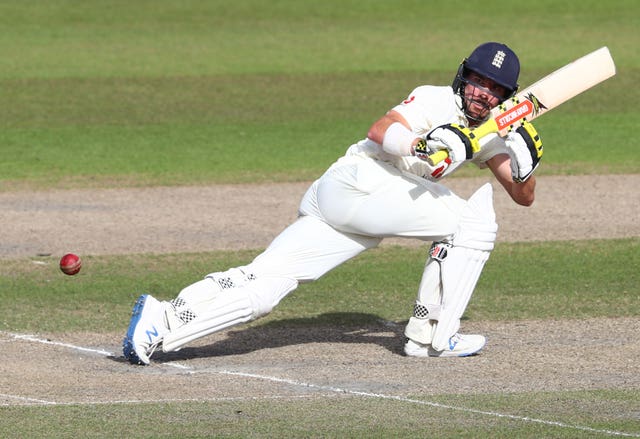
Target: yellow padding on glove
530,135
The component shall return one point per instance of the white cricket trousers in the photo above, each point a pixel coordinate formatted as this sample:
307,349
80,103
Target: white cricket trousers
355,204
351,208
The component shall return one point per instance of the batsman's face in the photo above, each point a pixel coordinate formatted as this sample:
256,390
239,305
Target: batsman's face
481,95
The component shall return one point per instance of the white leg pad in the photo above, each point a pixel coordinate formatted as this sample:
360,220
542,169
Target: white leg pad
460,273
232,278
231,307
195,298
428,305
451,273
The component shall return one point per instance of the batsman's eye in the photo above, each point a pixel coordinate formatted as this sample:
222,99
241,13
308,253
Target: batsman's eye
487,84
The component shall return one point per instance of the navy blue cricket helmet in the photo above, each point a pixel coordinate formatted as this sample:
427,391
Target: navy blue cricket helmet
492,60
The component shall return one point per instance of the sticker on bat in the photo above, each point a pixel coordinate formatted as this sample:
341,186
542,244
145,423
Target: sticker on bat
520,111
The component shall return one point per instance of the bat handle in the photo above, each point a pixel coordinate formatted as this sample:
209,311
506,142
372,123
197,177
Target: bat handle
437,157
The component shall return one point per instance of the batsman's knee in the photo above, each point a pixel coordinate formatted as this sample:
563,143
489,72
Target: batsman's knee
266,292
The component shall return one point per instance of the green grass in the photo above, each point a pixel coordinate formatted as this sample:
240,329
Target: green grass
346,417
75,38
120,93
156,93
580,279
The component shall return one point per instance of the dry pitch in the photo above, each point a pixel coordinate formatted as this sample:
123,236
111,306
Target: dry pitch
267,362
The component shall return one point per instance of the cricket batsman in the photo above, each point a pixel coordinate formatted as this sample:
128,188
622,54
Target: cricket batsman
383,186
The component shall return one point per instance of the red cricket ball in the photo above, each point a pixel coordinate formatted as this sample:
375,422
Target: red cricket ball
70,264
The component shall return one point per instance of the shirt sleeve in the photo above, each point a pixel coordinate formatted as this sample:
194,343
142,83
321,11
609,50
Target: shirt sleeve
429,106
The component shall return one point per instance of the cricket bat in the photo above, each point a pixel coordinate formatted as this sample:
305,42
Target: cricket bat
545,95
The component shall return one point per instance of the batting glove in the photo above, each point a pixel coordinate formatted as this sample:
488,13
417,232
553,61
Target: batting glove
459,141
421,150
525,150
435,171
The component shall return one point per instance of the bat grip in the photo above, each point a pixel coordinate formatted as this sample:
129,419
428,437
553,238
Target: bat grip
437,157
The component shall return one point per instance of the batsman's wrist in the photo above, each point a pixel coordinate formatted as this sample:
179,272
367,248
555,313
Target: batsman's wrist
399,140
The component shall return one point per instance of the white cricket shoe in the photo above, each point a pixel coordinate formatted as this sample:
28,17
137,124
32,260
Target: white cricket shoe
459,346
146,329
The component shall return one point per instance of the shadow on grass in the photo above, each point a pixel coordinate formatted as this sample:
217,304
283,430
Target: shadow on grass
326,328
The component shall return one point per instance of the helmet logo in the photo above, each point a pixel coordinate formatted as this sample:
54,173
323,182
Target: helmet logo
498,59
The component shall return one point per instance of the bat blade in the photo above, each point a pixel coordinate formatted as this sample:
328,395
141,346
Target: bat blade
555,89
544,95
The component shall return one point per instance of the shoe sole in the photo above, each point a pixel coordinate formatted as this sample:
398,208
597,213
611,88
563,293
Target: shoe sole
461,354
436,354
429,352
127,343
470,354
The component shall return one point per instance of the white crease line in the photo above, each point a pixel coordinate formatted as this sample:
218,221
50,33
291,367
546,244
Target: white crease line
178,365
428,403
78,348
337,390
57,343
31,401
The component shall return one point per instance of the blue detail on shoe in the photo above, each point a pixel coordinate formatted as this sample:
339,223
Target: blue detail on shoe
151,334
452,345
127,343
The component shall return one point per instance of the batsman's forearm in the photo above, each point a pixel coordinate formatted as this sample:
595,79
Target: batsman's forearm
380,127
524,193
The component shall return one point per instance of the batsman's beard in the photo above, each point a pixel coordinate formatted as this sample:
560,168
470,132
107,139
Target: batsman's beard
477,110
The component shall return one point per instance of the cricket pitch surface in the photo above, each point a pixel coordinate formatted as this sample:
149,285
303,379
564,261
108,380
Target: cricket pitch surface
298,361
